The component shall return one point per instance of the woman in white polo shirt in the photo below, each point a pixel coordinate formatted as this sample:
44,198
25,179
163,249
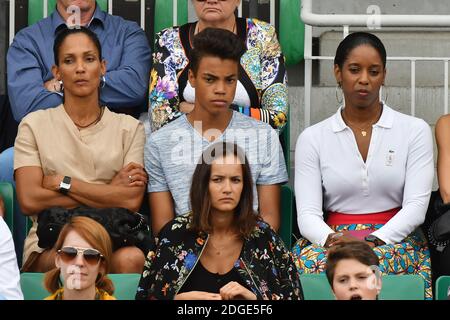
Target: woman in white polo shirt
364,173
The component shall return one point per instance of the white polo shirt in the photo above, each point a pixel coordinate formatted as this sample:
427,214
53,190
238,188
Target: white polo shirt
398,172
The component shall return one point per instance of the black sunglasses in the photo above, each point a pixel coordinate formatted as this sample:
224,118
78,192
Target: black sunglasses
92,256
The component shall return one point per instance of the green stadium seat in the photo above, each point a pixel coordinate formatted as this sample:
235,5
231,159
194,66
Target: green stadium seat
403,287
292,31
287,205
442,288
125,285
395,287
316,287
7,193
33,288
164,14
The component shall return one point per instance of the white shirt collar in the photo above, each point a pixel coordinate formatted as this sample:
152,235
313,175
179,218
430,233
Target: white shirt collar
386,120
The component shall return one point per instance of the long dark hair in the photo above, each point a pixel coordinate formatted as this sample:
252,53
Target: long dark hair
245,218
214,42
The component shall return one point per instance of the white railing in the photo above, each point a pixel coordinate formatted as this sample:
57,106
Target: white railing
12,20
367,20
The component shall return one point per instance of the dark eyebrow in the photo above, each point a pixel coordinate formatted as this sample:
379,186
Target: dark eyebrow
354,64
206,74
84,53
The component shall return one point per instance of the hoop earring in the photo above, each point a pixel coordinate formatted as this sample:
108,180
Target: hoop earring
386,94
339,88
102,82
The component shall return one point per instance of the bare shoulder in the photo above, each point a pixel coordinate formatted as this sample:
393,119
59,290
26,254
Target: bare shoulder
443,127
443,122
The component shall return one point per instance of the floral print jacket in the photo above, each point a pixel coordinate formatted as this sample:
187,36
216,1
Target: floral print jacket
265,264
262,73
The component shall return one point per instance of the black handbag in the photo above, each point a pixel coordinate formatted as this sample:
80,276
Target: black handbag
125,227
437,222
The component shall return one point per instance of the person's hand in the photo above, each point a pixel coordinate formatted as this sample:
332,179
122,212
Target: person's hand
52,85
186,107
198,295
52,182
234,291
339,238
2,207
131,175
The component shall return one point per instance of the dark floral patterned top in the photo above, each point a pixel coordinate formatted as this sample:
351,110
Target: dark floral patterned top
265,264
262,73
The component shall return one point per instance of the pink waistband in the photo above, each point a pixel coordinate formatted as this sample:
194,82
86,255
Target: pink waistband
338,218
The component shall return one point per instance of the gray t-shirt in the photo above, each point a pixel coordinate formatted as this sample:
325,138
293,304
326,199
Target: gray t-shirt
172,152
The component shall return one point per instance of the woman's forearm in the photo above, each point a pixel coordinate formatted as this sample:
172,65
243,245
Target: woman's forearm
105,195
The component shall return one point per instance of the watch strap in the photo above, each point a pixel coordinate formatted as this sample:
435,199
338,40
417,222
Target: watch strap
64,186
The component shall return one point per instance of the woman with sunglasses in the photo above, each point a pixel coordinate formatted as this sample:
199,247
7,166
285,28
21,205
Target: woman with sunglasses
83,259
222,250
79,153
262,88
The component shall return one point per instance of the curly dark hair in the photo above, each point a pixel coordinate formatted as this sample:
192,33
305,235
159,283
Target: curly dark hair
216,42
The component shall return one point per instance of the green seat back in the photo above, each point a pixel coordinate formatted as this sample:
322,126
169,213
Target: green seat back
164,14
395,287
287,203
442,287
33,286
7,193
403,287
316,287
125,285
292,31
36,9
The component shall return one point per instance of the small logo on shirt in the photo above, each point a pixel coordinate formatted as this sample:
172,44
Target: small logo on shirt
390,158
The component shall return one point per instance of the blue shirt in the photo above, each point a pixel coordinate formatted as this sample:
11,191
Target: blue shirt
124,47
